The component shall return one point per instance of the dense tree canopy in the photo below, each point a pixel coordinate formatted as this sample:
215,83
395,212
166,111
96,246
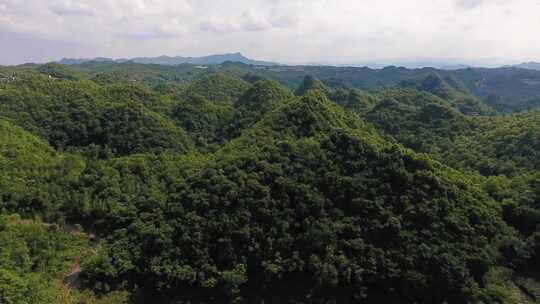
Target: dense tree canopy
129,183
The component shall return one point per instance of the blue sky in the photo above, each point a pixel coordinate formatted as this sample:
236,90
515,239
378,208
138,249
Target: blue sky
288,31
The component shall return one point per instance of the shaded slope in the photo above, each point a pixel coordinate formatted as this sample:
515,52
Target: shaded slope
59,71
35,257
80,114
130,128
310,83
451,90
140,94
205,120
504,145
419,121
516,89
30,167
357,100
262,97
218,122
310,206
219,87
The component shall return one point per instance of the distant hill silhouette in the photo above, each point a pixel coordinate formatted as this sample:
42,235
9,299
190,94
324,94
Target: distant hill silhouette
176,60
529,65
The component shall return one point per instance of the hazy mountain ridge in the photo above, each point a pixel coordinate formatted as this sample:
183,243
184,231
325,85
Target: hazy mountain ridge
175,60
532,65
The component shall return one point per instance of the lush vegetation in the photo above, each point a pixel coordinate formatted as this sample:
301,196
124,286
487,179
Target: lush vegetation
131,183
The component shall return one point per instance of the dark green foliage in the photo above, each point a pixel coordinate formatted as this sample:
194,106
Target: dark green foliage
452,91
219,185
310,83
59,71
150,74
515,89
437,86
79,114
63,112
28,166
130,128
358,101
217,122
489,145
511,86
34,257
202,118
503,145
219,88
419,121
140,94
316,212
263,96
310,115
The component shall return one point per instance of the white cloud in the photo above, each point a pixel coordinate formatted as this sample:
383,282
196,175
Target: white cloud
70,8
470,4
247,21
280,30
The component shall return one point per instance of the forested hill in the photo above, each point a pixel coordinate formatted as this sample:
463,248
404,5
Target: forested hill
133,183
506,90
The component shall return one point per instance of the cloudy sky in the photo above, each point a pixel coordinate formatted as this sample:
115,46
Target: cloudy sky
288,31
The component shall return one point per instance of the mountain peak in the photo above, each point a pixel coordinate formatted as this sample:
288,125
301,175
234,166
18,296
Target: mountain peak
264,95
310,82
309,115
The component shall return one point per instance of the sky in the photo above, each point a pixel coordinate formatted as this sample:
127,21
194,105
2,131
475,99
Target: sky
286,31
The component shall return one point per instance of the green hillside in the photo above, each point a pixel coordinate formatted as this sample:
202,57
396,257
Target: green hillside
236,184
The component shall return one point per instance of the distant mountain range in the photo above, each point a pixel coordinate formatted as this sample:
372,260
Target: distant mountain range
238,57
406,64
176,60
529,65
